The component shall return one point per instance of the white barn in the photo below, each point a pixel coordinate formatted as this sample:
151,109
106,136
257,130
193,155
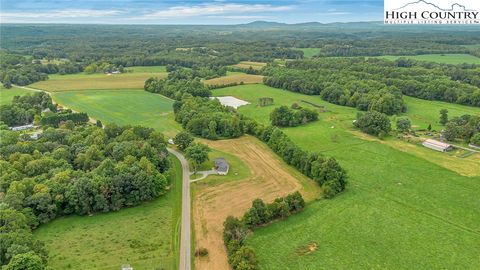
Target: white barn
437,145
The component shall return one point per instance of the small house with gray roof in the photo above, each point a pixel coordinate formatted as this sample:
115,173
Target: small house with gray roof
221,166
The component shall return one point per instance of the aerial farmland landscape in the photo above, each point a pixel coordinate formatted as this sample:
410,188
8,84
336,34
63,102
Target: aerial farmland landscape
237,135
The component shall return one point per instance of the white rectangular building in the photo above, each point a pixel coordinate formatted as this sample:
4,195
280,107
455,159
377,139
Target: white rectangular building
437,145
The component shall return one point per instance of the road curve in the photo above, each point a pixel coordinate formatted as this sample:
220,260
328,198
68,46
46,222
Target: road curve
185,249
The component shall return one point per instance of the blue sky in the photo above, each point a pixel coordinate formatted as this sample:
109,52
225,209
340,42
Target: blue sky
188,11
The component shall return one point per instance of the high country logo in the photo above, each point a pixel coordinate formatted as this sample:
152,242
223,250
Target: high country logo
432,12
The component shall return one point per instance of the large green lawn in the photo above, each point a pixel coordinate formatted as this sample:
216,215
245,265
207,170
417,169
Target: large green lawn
6,95
309,52
146,236
440,58
124,107
400,211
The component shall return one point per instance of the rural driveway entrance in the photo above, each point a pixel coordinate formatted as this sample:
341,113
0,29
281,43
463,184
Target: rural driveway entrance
185,249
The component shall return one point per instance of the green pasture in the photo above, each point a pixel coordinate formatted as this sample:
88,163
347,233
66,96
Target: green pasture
124,107
145,236
6,95
439,58
400,210
309,52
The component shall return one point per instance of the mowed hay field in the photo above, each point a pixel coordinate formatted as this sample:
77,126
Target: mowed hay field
236,78
214,200
145,236
6,95
440,58
401,210
124,107
99,81
248,64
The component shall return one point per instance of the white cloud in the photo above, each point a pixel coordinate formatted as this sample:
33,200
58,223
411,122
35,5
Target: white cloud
57,14
210,9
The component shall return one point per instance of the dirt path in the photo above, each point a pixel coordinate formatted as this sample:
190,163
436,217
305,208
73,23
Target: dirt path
270,178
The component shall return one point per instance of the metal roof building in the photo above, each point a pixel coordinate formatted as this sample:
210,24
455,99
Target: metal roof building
437,145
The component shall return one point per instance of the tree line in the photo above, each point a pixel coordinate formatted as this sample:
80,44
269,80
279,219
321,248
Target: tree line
236,230
73,169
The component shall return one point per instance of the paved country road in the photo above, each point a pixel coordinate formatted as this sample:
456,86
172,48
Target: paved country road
185,249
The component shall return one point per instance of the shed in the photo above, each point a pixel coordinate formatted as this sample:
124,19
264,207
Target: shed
221,166
437,145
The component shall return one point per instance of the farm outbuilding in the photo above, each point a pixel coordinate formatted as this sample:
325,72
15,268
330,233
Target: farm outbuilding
437,145
221,166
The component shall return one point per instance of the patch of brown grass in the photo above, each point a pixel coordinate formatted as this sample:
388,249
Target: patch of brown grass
236,78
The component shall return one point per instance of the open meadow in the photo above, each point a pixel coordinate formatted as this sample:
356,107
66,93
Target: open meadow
248,64
100,81
439,58
106,241
401,209
124,107
6,95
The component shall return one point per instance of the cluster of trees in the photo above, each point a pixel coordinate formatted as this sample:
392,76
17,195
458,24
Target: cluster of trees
465,127
73,170
338,87
373,123
178,83
23,109
54,119
236,230
103,67
286,117
208,118
265,101
197,153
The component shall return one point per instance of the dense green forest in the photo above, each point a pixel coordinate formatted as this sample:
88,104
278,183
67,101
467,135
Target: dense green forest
377,84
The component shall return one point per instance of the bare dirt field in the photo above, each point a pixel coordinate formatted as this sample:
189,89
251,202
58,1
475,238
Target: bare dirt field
236,78
270,178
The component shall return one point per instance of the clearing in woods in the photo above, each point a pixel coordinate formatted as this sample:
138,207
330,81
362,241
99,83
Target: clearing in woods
248,64
145,236
400,206
309,52
100,81
269,178
236,78
124,107
439,58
